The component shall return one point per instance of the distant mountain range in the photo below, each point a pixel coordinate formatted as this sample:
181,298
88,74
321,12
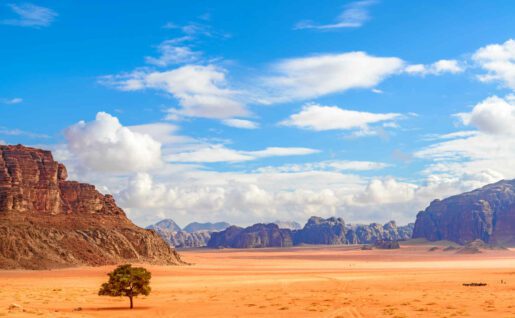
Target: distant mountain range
193,235
330,231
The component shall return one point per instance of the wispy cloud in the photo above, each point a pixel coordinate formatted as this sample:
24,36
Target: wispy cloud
11,101
354,15
30,15
18,132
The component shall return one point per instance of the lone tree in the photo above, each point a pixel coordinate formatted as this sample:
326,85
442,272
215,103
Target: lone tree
127,281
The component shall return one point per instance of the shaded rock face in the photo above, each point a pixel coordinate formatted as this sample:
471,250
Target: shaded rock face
487,214
48,222
255,236
374,232
317,230
211,227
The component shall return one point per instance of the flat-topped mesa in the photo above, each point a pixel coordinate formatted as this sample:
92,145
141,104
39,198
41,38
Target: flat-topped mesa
31,181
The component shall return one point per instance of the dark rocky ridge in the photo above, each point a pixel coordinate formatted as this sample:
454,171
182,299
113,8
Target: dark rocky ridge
257,235
47,221
331,231
487,214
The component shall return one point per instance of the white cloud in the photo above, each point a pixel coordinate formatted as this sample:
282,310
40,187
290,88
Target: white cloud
386,191
18,132
172,52
311,77
498,60
202,91
354,15
333,165
240,123
482,155
437,68
319,118
494,115
11,101
105,145
30,15
219,153
3,142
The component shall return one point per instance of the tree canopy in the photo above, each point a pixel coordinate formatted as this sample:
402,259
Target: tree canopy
127,281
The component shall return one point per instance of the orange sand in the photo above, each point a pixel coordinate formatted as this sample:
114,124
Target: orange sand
295,282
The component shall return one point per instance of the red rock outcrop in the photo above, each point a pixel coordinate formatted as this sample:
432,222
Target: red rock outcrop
47,221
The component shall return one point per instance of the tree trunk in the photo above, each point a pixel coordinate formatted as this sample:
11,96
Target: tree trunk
132,306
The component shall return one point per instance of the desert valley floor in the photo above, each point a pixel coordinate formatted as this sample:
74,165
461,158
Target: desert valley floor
293,282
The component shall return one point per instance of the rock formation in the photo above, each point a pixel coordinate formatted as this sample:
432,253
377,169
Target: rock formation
166,225
211,227
257,235
374,232
487,214
47,222
317,230
175,237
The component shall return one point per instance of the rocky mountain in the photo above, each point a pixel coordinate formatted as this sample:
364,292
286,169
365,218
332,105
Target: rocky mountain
211,227
487,214
317,230
375,232
257,235
166,225
47,221
292,225
175,237
330,231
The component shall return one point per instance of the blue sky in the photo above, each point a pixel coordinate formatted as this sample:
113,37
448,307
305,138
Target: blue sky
261,110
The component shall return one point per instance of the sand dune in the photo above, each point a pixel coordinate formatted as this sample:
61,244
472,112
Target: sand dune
295,282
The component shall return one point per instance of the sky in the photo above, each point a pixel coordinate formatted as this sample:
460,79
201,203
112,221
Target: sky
255,111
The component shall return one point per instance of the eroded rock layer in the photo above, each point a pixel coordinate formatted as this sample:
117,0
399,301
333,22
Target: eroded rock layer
47,221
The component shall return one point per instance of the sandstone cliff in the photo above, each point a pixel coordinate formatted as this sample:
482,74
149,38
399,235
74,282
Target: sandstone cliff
487,214
47,221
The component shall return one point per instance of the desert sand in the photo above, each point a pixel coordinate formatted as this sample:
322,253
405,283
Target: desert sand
293,282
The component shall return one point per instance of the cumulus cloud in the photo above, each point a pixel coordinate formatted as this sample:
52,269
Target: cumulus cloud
437,68
498,60
30,15
485,154
319,118
494,115
240,123
219,153
202,91
311,77
105,145
354,15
